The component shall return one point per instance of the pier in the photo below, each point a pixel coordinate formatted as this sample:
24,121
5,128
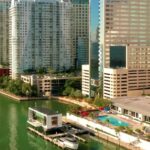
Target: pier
53,137
46,137
78,138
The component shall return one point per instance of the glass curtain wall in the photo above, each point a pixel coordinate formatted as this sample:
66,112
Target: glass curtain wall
94,45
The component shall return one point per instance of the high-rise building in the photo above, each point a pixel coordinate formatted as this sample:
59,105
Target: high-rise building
47,33
93,46
40,35
4,31
80,34
125,47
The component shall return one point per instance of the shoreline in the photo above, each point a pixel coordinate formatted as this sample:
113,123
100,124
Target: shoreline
19,98
62,99
73,101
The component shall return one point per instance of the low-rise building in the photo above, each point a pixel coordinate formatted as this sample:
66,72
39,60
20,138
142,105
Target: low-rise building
137,108
48,85
115,83
4,72
45,118
85,80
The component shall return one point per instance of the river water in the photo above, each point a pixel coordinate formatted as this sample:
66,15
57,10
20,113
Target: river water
13,127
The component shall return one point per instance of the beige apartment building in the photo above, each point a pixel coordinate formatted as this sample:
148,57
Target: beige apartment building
125,47
48,85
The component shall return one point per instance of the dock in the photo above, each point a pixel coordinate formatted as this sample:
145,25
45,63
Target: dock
78,138
53,137
57,135
47,138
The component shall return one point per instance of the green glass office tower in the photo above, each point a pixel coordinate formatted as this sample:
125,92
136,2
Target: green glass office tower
94,46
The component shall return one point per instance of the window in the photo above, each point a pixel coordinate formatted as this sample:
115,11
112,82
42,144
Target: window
54,121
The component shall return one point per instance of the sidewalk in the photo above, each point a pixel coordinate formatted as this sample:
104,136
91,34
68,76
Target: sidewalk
69,100
20,98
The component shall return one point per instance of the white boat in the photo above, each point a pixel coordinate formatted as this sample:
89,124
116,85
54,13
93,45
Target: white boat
69,142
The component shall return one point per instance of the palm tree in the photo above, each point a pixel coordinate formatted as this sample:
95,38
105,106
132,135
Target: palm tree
107,121
117,130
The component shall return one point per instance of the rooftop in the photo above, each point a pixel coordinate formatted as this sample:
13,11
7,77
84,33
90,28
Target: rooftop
52,77
136,104
45,111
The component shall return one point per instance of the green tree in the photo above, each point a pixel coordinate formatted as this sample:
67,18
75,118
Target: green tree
107,122
117,130
26,89
72,94
41,70
34,90
128,130
50,71
67,91
4,82
78,94
18,87
101,102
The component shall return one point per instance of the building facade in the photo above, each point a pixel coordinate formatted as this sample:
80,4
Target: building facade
47,34
131,107
4,32
49,85
93,46
85,80
40,35
80,34
125,47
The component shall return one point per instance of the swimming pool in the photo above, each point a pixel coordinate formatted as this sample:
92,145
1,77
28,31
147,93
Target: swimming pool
113,121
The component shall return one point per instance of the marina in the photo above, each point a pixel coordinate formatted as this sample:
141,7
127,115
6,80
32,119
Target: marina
15,135
49,125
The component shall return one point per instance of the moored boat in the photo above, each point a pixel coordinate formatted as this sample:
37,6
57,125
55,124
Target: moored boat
69,142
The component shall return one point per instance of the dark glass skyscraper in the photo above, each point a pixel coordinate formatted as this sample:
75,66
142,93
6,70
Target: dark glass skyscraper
94,45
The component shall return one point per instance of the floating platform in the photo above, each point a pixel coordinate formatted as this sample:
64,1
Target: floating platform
52,137
46,137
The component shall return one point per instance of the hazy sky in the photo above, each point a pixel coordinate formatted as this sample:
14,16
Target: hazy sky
94,17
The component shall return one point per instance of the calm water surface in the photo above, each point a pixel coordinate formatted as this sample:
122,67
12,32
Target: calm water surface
13,128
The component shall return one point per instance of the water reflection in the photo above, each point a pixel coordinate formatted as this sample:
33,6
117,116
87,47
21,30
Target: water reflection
13,121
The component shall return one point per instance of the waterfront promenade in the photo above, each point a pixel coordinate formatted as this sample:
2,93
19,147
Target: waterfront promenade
123,139
73,101
20,98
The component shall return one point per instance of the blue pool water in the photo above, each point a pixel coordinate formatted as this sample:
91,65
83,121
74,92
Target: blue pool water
113,121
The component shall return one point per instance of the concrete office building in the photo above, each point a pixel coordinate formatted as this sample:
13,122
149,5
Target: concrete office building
85,80
4,31
124,41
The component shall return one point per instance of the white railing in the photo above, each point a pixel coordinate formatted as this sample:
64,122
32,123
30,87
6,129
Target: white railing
144,145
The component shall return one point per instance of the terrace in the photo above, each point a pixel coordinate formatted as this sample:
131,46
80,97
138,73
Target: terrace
117,121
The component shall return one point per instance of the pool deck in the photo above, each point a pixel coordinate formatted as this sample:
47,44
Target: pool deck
128,141
122,118
128,120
